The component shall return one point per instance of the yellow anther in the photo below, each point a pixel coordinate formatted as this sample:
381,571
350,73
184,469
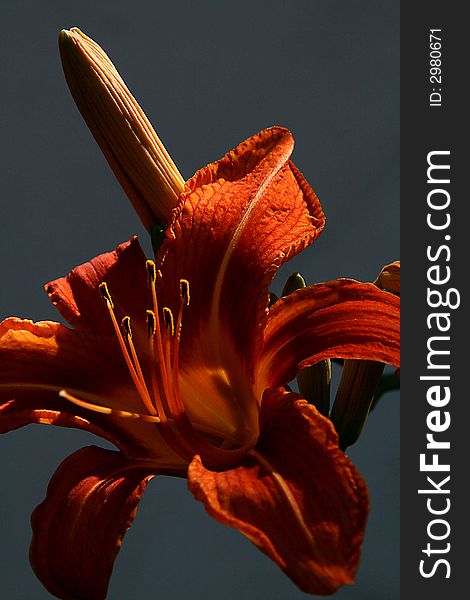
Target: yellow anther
169,321
184,291
151,272
126,324
103,288
151,323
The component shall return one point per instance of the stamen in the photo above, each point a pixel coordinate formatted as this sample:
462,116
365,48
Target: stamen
185,297
184,294
175,408
184,291
185,425
171,436
106,410
189,433
164,402
138,381
103,287
151,273
158,342
151,327
126,324
169,322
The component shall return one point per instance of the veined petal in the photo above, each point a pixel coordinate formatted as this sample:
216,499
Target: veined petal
37,360
337,319
77,530
127,139
223,397
79,301
238,220
297,496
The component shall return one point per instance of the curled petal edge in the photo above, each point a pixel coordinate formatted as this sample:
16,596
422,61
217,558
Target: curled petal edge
91,502
337,319
296,496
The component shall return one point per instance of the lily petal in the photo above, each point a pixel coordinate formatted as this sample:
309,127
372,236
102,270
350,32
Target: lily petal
338,319
77,530
239,219
127,139
37,360
79,301
297,496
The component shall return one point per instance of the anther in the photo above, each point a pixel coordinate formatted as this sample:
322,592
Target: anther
103,288
184,291
151,272
168,319
151,323
126,325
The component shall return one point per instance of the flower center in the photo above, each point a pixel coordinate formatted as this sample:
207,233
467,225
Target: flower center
160,393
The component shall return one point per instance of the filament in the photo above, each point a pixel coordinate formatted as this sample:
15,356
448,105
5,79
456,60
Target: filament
106,410
143,393
162,397
126,323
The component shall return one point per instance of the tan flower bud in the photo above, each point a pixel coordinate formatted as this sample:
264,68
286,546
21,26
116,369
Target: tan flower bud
127,139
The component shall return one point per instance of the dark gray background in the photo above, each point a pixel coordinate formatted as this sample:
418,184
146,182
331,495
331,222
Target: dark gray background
208,74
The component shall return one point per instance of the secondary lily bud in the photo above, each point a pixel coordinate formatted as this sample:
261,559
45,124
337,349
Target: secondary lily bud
314,385
294,282
314,381
389,278
127,139
354,397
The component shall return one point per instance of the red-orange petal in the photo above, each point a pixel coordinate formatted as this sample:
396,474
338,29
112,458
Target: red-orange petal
337,319
238,220
77,530
37,360
79,301
297,496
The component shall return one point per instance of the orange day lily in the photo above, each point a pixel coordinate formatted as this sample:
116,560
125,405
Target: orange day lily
181,364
